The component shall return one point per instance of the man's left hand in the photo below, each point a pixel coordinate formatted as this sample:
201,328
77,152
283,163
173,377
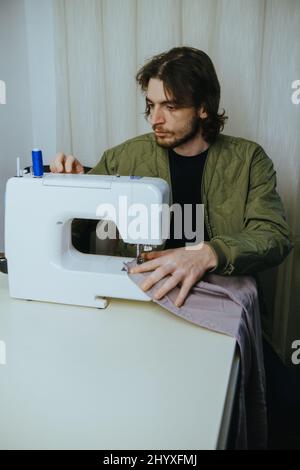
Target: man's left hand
184,266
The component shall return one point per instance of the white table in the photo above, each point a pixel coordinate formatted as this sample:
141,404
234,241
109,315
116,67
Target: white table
132,376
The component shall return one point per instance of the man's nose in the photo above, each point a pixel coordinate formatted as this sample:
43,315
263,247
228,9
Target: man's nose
157,116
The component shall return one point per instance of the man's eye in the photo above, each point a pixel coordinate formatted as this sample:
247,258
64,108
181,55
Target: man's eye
170,107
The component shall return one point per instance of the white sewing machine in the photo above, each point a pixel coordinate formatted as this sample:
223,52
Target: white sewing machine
42,262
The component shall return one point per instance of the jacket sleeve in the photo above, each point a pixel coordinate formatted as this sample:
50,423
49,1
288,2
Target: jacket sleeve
265,239
106,165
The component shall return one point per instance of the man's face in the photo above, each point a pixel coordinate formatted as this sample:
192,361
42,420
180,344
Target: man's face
172,125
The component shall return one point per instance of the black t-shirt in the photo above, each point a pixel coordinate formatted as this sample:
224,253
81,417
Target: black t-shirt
186,179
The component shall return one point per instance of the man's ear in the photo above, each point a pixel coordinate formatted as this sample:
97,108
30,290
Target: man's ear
202,113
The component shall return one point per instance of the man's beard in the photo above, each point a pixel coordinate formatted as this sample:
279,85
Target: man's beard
192,130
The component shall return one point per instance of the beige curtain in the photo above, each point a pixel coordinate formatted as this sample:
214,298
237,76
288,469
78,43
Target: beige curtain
255,46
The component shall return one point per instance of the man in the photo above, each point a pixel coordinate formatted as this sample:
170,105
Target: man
245,227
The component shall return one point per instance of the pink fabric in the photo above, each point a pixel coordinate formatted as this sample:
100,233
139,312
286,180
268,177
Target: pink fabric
229,305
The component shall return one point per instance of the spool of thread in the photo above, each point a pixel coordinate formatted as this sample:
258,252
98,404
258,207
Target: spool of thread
37,163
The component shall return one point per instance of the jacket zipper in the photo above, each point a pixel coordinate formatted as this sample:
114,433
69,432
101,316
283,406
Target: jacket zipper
206,220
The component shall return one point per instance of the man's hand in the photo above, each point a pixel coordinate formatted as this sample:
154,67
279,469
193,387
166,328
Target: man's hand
66,164
184,266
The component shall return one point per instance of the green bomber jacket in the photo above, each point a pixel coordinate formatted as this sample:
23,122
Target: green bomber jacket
243,212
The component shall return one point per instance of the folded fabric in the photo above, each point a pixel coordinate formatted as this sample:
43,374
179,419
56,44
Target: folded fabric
229,305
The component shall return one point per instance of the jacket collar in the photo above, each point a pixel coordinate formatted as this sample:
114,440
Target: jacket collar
163,168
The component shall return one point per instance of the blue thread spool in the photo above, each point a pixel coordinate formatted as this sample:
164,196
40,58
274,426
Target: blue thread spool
37,163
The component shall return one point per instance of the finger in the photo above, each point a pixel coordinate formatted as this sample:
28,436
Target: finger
145,267
155,254
56,165
52,167
167,286
69,161
155,277
78,167
184,291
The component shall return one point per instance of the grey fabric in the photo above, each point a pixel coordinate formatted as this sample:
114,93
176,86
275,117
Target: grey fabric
229,305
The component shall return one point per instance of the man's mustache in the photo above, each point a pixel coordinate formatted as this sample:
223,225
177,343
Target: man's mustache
158,129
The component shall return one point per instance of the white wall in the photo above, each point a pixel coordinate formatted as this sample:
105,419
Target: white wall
40,50
15,115
28,119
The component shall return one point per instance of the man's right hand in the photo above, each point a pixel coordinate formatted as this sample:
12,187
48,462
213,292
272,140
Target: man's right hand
66,164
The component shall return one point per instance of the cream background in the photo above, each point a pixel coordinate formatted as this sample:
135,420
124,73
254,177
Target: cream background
69,68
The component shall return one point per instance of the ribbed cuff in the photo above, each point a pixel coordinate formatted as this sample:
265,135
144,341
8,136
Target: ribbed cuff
220,250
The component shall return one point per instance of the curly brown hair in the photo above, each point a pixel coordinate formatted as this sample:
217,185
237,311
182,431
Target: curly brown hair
188,74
